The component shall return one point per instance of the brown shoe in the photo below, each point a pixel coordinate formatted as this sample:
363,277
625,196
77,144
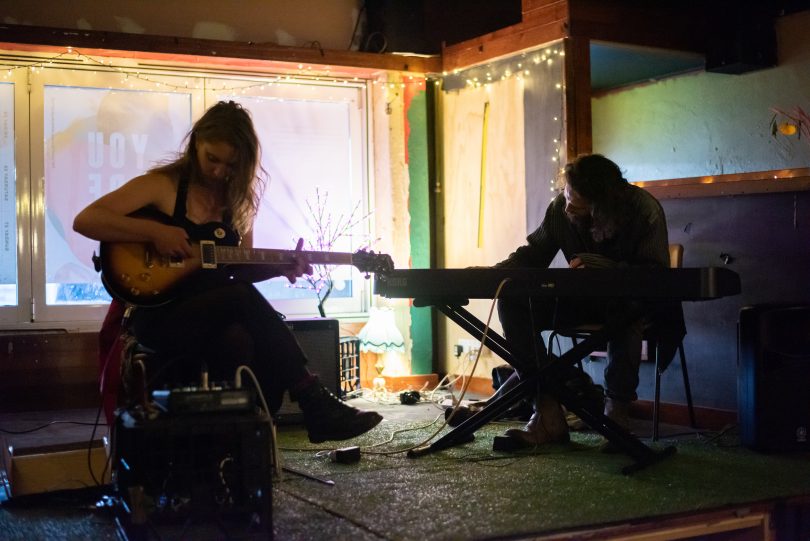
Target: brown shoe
574,422
534,433
547,425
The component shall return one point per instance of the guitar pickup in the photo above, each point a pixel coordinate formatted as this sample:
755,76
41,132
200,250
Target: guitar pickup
208,254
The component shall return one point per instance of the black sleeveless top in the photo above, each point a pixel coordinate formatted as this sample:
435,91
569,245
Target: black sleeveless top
202,231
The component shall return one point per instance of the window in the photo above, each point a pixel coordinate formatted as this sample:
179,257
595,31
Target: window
92,130
9,294
311,149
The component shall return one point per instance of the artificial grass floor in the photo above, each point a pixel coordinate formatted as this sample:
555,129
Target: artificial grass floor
472,492
467,492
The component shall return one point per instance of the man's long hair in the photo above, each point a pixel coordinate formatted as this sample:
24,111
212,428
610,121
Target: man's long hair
600,181
227,122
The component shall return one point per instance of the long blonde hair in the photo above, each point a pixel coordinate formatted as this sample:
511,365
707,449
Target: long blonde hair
230,123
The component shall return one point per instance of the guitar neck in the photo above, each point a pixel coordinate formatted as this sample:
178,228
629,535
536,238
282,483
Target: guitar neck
234,254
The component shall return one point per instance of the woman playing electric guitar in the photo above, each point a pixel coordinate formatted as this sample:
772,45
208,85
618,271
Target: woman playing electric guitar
218,317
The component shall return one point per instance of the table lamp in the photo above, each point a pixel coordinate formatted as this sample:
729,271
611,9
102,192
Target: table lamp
381,336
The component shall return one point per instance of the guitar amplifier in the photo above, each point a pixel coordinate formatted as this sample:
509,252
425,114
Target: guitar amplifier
773,385
319,339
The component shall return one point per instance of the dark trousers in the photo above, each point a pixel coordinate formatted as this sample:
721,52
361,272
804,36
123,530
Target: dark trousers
523,319
224,327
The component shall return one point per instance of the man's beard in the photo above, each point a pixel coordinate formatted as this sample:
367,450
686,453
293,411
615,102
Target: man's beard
599,232
582,222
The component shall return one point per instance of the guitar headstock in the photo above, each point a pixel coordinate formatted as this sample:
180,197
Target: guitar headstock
368,261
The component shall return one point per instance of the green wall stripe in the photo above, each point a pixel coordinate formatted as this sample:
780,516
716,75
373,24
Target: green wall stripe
419,210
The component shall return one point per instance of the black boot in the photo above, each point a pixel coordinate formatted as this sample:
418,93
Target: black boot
328,418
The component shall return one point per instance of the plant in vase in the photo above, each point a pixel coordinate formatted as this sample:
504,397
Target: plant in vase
327,231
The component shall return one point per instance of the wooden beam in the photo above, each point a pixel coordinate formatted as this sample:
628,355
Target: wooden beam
681,27
578,126
664,25
543,21
231,54
775,181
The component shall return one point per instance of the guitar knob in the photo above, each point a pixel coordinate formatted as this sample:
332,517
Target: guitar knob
125,278
145,277
134,291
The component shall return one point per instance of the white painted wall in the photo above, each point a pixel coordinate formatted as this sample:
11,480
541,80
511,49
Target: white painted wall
709,123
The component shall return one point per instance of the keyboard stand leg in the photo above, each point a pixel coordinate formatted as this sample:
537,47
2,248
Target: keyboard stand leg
465,432
626,442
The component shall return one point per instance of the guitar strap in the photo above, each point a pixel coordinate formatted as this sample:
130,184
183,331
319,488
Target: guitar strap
179,214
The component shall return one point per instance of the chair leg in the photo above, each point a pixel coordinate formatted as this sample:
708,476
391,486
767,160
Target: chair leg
579,363
554,337
657,399
687,388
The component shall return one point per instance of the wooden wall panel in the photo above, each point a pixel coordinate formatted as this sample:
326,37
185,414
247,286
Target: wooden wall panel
504,197
682,27
776,181
48,371
543,21
208,52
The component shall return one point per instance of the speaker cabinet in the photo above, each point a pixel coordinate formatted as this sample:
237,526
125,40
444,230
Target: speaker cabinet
741,37
319,339
773,385
421,26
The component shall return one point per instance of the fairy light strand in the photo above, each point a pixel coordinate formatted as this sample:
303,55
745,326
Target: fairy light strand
305,75
530,65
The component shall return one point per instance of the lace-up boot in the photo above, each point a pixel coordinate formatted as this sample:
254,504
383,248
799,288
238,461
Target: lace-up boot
326,417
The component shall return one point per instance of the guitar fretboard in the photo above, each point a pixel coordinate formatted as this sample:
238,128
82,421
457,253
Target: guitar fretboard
236,254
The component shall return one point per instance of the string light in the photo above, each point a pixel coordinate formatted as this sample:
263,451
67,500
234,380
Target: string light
531,65
305,74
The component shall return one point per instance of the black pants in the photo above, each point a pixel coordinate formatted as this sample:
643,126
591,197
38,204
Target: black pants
223,327
523,319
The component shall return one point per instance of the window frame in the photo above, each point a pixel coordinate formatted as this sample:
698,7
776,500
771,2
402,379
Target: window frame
11,315
31,312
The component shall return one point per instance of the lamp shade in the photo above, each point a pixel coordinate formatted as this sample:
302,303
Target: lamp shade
380,333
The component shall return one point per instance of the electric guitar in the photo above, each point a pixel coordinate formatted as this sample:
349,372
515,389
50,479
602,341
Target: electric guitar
135,273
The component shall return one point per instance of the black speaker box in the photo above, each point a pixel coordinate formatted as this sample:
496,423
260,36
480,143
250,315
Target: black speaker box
421,26
319,339
741,37
773,377
187,469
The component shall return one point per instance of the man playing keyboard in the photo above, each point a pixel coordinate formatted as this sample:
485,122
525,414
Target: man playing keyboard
598,220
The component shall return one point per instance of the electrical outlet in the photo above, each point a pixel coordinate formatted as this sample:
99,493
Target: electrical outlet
467,345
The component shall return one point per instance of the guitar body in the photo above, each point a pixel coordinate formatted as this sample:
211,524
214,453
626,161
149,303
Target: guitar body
135,273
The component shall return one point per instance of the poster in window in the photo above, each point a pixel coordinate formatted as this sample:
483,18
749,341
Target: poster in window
96,139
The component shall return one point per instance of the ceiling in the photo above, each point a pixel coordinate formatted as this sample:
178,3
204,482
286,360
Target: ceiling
614,65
